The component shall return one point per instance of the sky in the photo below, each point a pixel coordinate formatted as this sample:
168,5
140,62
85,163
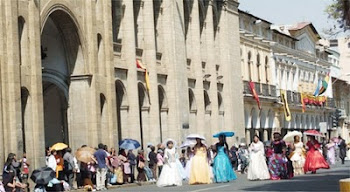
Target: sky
290,11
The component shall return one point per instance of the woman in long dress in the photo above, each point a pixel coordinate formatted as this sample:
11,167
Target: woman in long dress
189,155
314,159
170,175
277,162
199,166
298,156
331,152
223,171
257,161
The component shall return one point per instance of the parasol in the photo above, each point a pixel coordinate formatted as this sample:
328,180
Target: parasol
195,136
59,146
290,136
129,144
84,154
224,133
313,133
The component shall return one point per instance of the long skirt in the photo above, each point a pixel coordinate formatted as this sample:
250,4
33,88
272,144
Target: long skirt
278,167
314,160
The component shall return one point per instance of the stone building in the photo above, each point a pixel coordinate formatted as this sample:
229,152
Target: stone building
276,58
69,73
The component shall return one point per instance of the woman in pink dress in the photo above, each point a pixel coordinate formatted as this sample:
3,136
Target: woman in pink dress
331,152
314,159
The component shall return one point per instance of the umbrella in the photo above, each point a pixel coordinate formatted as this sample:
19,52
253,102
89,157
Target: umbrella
43,175
169,139
59,146
195,136
187,143
313,133
290,136
224,133
84,154
129,144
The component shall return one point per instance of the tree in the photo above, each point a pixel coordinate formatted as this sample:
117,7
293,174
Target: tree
339,11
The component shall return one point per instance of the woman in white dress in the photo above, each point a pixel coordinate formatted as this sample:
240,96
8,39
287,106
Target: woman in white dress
298,156
170,175
257,169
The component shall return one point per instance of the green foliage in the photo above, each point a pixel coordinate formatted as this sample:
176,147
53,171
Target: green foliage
340,12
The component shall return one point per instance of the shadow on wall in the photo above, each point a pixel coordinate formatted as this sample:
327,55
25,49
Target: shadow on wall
306,183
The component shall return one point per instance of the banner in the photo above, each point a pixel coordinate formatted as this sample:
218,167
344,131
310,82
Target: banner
255,95
287,114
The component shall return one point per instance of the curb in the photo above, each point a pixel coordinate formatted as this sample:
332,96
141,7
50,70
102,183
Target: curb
124,185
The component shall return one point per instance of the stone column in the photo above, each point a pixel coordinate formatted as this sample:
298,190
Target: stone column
211,65
230,62
35,147
247,136
149,51
2,63
196,60
266,133
128,55
175,58
10,81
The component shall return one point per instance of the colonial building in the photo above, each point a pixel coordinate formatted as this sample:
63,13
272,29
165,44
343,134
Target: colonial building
256,59
288,58
69,72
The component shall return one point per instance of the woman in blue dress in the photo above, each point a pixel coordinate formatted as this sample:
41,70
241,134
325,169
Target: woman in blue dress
222,168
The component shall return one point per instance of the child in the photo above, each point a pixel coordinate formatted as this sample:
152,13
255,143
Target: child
243,155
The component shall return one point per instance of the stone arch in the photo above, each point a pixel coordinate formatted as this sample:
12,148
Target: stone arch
122,106
63,64
262,119
163,111
101,67
254,120
220,102
25,106
103,132
203,7
22,40
207,101
192,99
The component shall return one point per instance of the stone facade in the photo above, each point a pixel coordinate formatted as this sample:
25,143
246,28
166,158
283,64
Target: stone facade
69,74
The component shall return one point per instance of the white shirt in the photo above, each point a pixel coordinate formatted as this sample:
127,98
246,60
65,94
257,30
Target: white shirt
52,162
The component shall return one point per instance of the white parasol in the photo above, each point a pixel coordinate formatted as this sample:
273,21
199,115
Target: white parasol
195,136
290,136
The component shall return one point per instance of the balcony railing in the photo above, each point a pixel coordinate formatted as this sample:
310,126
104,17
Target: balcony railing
265,89
289,97
273,91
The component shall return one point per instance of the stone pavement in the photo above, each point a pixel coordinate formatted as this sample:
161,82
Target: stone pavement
324,180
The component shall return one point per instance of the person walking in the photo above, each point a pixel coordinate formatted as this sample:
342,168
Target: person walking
314,159
153,162
140,160
132,160
160,161
222,167
234,157
342,149
69,167
257,161
298,156
277,162
100,157
200,168
170,175
331,152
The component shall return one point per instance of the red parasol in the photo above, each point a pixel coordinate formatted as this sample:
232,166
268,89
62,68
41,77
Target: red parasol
313,133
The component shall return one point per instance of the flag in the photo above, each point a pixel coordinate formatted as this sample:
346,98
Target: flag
303,102
255,95
324,85
285,106
317,91
141,66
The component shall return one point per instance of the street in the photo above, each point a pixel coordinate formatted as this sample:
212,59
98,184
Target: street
324,180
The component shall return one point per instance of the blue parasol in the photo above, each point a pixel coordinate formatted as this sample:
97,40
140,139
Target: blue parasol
129,144
224,133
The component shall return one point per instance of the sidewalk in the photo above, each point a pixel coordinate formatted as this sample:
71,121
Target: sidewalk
125,185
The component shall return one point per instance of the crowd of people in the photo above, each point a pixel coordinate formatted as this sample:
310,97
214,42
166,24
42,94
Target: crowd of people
198,163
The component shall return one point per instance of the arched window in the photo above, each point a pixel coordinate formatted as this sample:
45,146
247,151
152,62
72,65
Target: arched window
258,66
249,68
266,69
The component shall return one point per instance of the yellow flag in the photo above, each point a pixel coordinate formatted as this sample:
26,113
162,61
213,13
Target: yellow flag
285,106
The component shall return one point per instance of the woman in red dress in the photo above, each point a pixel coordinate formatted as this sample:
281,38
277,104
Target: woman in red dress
314,159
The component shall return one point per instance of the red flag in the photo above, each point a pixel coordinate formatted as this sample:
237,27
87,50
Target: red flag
255,95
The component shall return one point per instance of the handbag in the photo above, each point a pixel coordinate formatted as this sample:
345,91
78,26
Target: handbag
141,165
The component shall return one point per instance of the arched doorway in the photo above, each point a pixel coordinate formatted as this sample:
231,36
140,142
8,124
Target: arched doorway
193,110
143,111
122,108
61,54
163,111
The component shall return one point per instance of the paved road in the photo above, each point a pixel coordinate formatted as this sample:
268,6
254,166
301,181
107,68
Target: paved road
324,180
